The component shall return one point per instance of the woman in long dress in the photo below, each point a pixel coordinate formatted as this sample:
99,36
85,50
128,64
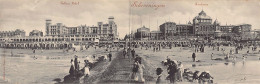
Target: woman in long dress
72,69
140,72
180,71
87,70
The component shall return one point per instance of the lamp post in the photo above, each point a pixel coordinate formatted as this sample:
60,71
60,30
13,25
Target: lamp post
129,23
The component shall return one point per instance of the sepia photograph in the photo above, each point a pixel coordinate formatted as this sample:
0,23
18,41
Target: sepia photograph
129,41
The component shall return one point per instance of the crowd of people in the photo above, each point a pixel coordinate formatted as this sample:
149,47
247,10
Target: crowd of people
174,69
79,70
138,67
203,77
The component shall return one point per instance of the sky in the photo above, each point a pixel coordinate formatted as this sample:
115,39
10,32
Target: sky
31,14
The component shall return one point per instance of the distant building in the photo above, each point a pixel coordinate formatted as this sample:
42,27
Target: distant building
104,31
241,29
16,33
202,27
168,29
36,33
156,35
107,31
184,29
142,33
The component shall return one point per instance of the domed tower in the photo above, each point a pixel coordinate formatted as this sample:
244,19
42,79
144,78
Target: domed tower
195,21
201,23
195,26
189,22
203,18
217,25
202,13
216,22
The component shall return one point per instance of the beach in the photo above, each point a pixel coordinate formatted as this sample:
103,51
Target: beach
22,66
25,67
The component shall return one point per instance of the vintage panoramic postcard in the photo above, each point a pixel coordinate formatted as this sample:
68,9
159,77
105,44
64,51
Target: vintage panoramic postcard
129,41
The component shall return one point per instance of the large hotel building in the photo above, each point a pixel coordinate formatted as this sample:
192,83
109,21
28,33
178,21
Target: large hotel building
60,36
202,26
104,31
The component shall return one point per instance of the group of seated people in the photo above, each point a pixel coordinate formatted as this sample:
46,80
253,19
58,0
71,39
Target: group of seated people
78,70
194,76
177,72
174,69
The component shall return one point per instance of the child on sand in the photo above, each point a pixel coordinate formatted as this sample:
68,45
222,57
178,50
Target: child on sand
244,58
158,73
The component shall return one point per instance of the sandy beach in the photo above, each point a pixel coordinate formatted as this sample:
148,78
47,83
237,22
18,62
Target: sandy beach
223,71
55,64
41,67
